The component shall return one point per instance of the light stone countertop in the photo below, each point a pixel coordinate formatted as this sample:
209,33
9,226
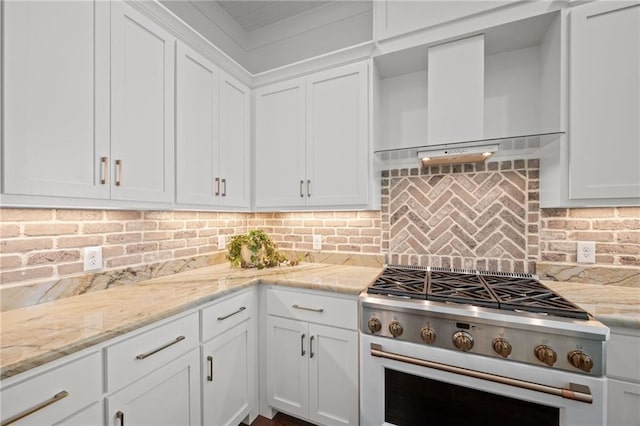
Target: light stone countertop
33,336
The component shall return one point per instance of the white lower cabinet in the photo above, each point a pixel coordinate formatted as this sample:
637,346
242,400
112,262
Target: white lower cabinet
55,395
623,377
312,369
229,361
168,396
226,370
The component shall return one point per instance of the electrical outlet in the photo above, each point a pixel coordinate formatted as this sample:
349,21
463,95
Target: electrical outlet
586,252
92,258
222,242
317,242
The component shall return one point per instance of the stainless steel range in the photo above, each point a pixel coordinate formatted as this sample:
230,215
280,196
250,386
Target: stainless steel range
481,346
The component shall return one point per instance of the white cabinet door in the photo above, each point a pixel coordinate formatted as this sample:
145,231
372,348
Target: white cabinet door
197,128
337,137
604,152
90,416
235,143
169,396
288,365
280,145
56,97
333,375
226,373
623,403
142,90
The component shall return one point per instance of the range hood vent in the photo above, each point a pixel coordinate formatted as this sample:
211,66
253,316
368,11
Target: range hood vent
515,147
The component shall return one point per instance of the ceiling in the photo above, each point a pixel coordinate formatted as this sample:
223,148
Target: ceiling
252,15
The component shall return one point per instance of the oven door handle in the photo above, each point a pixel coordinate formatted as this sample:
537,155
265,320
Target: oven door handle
575,392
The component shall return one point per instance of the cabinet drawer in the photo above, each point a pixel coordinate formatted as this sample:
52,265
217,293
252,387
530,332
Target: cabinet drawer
144,352
76,385
313,307
226,314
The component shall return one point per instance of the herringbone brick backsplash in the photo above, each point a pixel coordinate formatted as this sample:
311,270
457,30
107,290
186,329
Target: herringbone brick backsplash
482,216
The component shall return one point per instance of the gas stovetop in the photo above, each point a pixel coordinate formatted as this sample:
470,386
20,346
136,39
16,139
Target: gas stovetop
501,315
504,291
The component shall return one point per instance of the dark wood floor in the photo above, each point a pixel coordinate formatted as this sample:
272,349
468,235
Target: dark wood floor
279,419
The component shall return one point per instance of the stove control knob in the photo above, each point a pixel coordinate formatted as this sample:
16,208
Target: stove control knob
502,347
463,340
546,354
374,325
395,329
428,335
580,360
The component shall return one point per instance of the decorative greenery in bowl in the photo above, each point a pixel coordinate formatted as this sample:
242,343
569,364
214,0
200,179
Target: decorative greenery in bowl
255,250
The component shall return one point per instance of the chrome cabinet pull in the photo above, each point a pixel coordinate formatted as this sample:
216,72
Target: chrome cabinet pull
301,184
55,398
309,188
104,170
240,309
217,186
224,187
576,392
311,346
155,351
210,376
120,416
308,309
302,352
118,172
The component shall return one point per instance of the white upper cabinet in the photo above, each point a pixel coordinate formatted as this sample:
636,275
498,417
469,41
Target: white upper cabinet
393,18
142,108
234,152
604,138
280,145
312,141
337,137
56,98
455,81
196,128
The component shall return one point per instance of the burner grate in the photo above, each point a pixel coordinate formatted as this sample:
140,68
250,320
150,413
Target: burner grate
459,287
499,290
532,296
402,282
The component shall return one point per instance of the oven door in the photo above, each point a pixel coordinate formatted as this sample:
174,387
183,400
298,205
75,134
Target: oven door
397,387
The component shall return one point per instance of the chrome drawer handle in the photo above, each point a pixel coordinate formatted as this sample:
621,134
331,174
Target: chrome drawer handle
217,192
308,309
224,187
155,351
242,308
301,184
55,398
302,351
308,188
120,416
311,347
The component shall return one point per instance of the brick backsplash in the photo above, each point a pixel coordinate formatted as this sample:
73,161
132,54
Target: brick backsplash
45,244
474,216
616,232
483,216
341,231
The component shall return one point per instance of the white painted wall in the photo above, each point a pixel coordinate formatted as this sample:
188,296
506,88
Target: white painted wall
403,111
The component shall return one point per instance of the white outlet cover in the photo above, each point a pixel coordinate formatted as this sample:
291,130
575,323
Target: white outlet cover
92,258
586,252
222,242
317,242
